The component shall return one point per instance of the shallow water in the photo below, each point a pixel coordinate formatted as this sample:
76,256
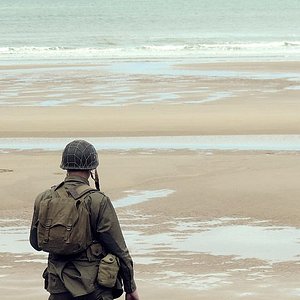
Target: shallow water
109,86
213,97
213,142
14,239
167,69
136,197
294,88
267,243
219,237
198,282
272,244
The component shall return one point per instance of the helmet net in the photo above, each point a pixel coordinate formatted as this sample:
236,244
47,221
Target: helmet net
79,155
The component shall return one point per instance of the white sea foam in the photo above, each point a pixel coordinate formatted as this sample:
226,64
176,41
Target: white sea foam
283,49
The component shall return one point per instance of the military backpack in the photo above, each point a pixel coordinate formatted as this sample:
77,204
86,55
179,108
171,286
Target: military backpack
64,222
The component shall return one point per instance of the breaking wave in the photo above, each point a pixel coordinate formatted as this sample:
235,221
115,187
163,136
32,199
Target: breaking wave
272,49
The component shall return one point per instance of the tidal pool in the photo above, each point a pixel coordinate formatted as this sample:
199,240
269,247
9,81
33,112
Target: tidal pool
167,69
136,197
272,244
238,238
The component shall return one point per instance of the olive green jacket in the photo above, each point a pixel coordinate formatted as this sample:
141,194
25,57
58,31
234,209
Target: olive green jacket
77,273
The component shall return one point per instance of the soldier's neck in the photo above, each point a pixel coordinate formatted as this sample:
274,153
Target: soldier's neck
84,174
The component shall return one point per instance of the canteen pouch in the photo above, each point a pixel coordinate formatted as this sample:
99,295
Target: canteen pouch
108,270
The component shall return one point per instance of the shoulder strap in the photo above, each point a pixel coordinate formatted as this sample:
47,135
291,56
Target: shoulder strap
75,192
81,190
55,187
60,190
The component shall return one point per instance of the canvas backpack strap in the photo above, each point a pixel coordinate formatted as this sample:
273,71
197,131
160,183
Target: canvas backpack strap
48,222
61,191
80,191
55,187
68,231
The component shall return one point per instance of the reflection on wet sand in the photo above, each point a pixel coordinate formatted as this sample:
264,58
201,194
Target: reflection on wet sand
182,241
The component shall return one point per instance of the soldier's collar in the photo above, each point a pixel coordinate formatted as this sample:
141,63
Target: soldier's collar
72,178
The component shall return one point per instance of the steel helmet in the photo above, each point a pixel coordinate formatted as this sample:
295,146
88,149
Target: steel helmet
79,155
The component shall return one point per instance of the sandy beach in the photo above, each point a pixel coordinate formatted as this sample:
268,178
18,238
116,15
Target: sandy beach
207,224
221,99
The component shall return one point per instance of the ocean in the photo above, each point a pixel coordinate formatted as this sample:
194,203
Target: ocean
143,29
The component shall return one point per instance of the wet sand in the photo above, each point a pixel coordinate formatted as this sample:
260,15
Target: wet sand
213,196
130,100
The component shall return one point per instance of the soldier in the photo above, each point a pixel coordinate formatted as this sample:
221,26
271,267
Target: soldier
88,258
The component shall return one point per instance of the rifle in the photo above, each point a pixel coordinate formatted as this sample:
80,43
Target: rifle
96,179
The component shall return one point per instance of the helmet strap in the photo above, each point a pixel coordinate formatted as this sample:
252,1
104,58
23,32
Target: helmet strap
96,179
